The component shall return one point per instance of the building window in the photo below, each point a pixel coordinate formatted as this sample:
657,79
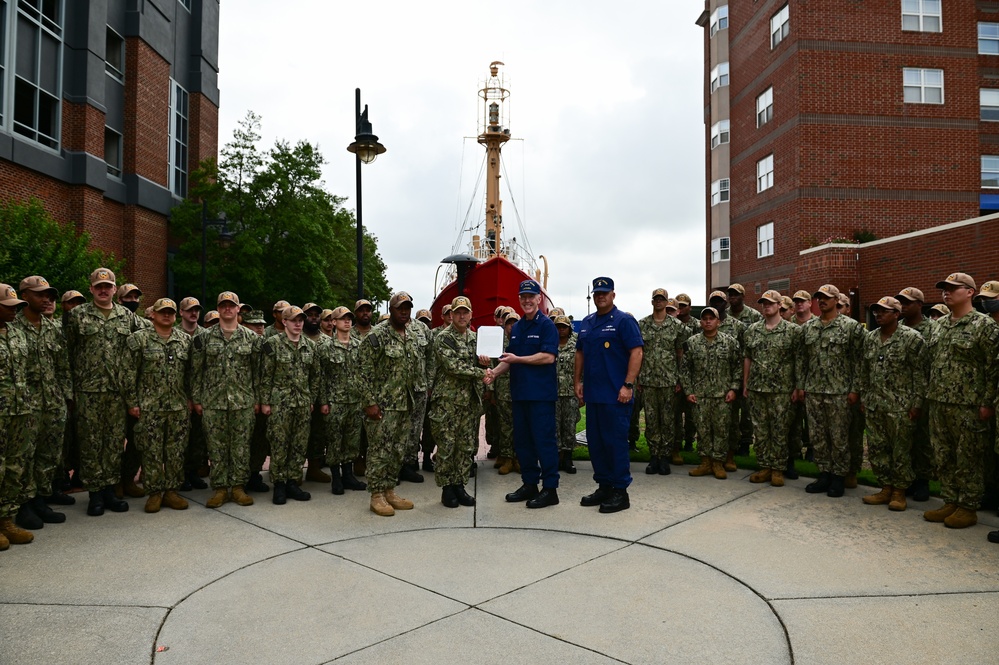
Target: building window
719,76
765,173
990,171
719,133
719,250
38,71
923,86
989,104
114,55
765,107
112,151
765,240
719,191
178,139
186,3
921,15
719,20
779,27
3,63
988,38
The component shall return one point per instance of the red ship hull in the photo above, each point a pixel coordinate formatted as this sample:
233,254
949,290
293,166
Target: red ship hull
488,285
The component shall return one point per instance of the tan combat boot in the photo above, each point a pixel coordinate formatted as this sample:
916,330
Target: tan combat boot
397,501
961,518
15,534
4,543
897,499
941,513
718,468
777,478
730,462
850,482
507,466
315,473
154,502
761,476
381,507
498,462
129,488
677,459
173,500
220,496
241,497
881,498
703,469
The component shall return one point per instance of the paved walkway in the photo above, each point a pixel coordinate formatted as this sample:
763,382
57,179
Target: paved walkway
698,571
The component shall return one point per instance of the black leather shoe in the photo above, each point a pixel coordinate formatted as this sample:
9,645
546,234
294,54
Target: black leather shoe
60,499
410,474
350,481
547,497
569,466
295,492
993,536
791,472
920,489
664,469
46,514
113,503
653,467
27,519
616,502
820,485
280,495
96,506
448,497
256,483
464,498
523,494
194,480
835,487
597,497
336,484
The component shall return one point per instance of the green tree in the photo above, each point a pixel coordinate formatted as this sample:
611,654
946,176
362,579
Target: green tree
290,238
36,244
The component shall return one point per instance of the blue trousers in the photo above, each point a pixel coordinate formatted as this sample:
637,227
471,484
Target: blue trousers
607,440
535,442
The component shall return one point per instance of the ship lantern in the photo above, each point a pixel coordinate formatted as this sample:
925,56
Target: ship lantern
494,117
365,145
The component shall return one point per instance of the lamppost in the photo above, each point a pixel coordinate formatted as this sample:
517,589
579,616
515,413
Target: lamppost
366,148
224,236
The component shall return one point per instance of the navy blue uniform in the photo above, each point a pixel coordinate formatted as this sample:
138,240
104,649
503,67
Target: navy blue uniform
606,341
534,391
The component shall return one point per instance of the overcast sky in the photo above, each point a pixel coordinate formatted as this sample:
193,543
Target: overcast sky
607,97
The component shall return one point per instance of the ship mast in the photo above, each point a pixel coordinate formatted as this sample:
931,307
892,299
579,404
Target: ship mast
492,136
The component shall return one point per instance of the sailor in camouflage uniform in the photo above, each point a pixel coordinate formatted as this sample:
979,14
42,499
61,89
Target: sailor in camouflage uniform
344,397
196,455
157,396
289,389
711,375
277,327
683,419
658,382
390,361
456,405
736,329
747,316
17,422
96,336
421,394
224,363
912,300
961,396
892,385
319,424
826,373
797,436
768,379
507,455
567,407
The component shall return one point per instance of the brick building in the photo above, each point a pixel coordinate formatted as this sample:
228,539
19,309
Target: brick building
105,107
833,121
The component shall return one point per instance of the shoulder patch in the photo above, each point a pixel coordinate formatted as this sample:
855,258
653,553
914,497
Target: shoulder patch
373,341
449,342
268,348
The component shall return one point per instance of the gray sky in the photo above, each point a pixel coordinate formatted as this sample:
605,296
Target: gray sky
609,178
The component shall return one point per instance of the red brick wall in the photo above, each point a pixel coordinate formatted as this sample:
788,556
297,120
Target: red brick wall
204,134
82,129
147,111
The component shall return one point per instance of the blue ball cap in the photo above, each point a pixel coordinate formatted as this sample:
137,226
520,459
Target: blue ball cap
529,286
603,285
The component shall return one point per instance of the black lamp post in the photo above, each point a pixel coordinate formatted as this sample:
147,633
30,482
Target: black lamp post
366,148
224,235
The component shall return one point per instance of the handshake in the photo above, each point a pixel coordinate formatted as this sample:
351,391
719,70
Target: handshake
489,377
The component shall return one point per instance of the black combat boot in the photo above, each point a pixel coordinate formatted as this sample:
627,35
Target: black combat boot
350,481
616,501
280,493
96,505
836,486
336,484
820,485
46,514
448,498
112,502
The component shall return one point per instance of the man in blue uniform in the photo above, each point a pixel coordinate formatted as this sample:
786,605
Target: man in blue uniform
608,359
530,359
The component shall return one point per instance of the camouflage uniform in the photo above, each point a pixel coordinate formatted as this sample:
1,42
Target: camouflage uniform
391,363
892,381
567,406
17,420
735,328
798,433
156,381
319,423
270,331
710,368
683,415
658,379
51,386
770,383
826,369
504,411
344,395
421,388
196,453
963,376
741,407
224,375
97,352
456,405
922,451
747,317
290,383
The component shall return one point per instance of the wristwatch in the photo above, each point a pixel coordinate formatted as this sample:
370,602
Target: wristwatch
629,385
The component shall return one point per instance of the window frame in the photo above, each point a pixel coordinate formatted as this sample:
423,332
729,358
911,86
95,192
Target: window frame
719,76
178,173
994,38
993,108
720,194
922,16
922,86
46,30
117,73
717,132
765,241
780,26
993,169
765,173
114,170
767,97
721,249
718,17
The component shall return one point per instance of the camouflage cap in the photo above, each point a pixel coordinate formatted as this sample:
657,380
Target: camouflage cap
325,314
717,294
402,299
211,316
911,293
255,316
72,294
990,289
126,289
786,302
245,307
148,312
499,310
709,310
446,309
310,306
660,292
941,309
770,296
102,276
424,314
843,300
888,303
511,316
461,302
383,317
37,284
957,279
801,295
189,303
562,320
164,303
682,299
363,303
738,288
671,304
556,311
9,296
280,305
828,290
342,313
291,312
227,296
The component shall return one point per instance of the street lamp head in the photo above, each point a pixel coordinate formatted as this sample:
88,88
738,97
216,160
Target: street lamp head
365,145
